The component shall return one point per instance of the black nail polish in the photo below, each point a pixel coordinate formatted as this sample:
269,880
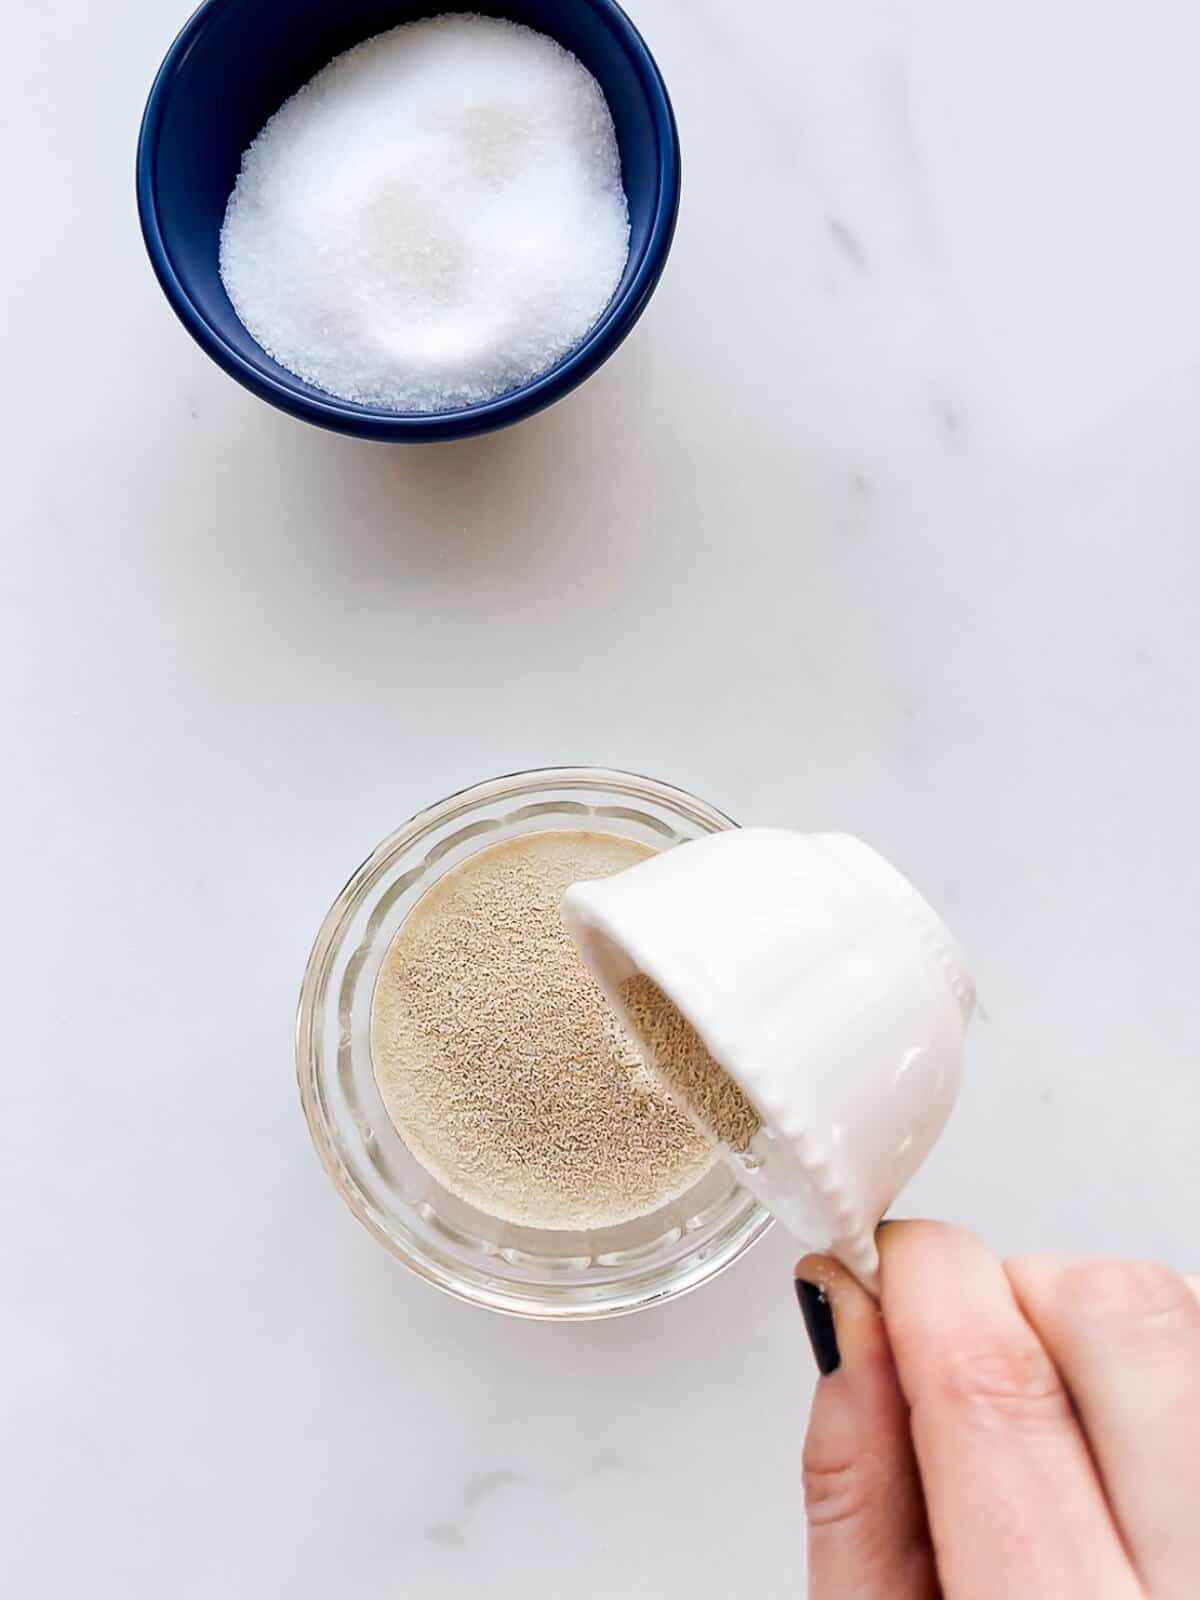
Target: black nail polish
818,1320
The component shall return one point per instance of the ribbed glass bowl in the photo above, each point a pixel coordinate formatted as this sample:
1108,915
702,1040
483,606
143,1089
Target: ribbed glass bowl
531,1272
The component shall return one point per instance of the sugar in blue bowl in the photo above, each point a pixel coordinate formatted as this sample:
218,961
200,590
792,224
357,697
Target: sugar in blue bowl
230,70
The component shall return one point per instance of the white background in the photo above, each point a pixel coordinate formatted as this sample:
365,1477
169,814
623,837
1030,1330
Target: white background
887,518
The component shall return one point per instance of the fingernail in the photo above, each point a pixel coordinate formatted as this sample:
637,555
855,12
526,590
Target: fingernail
818,1320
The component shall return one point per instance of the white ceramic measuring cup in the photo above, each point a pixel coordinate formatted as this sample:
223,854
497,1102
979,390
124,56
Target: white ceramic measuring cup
825,986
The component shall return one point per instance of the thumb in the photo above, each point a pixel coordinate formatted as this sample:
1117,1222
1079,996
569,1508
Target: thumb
868,1538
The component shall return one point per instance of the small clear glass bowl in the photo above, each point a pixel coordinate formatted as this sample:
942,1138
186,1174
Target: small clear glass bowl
530,1272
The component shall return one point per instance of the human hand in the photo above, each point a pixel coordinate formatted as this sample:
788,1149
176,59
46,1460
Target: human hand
1019,1431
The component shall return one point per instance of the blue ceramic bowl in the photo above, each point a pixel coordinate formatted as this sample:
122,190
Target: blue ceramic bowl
237,61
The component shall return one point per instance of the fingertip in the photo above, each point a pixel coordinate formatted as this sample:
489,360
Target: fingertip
819,1324
841,1318
866,1516
903,1238
819,1270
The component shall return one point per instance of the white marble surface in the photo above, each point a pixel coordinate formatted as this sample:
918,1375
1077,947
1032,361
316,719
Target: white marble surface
887,518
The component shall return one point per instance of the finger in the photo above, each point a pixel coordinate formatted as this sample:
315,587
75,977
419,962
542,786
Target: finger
1125,1335
867,1534
1193,1282
1013,1498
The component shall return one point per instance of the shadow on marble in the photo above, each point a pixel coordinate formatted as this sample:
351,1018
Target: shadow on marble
406,509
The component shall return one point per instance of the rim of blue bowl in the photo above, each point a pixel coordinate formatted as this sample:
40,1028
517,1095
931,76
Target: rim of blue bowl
363,422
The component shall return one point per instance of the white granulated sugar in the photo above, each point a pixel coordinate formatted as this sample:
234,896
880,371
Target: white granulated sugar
435,219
